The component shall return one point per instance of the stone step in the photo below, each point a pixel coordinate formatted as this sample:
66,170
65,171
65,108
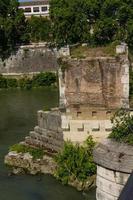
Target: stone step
101,195
35,135
48,133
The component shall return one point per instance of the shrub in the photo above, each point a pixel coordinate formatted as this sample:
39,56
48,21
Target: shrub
25,83
122,130
20,148
3,82
44,79
75,161
41,79
12,83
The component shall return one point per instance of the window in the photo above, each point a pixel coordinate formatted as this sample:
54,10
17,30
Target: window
36,9
27,10
79,113
108,113
44,9
94,113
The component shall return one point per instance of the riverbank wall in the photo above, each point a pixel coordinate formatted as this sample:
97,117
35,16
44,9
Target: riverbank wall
31,59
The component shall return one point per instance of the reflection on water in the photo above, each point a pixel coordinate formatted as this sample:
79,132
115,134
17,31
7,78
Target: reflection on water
17,117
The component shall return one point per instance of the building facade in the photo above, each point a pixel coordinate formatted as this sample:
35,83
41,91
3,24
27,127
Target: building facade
35,7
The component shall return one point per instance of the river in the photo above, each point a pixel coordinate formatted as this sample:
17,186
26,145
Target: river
17,117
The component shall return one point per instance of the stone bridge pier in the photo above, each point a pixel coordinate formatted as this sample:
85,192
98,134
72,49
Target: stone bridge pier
114,165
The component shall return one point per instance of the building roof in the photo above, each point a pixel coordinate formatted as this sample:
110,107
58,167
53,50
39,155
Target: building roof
34,2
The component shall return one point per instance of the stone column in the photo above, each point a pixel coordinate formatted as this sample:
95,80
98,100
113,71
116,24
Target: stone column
122,51
114,166
62,89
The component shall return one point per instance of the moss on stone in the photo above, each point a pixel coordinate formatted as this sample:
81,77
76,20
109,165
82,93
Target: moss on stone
20,148
87,51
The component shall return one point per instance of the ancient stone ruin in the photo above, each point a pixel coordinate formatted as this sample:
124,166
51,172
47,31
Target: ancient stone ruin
91,90
48,133
95,83
114,165
29,59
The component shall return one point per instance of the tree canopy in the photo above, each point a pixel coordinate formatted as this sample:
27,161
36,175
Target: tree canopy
39,29
12,26
97,22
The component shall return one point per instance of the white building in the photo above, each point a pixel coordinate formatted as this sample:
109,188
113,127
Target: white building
35,7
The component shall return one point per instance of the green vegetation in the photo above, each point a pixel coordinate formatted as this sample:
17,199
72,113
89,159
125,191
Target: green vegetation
13,27
122,127
94,22
39,29
12,83
86,51
20,148
75,162
39,80
44,79
97,23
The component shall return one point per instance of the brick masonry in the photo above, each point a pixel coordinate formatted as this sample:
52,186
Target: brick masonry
95,83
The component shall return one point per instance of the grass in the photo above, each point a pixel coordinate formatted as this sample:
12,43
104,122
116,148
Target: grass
20,148
86,51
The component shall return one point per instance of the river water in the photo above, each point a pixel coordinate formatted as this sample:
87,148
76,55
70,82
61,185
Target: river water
17,117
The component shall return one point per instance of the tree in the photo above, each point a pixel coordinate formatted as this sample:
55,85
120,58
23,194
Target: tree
97,22
122,130
39,29
105,31
130,33
12,26
70,22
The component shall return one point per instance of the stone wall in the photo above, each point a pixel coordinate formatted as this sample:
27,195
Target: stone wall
48,133
77,130
24,163
30,58
114,166
54,128
95,83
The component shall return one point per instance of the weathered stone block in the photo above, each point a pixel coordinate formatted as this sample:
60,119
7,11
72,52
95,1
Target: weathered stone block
108,186
101,195
113,176
114,166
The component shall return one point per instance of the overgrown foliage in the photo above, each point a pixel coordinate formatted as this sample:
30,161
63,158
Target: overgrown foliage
13,27
44,79
85,51
97,22
39,80
20,148
75,162
122,130
39,29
